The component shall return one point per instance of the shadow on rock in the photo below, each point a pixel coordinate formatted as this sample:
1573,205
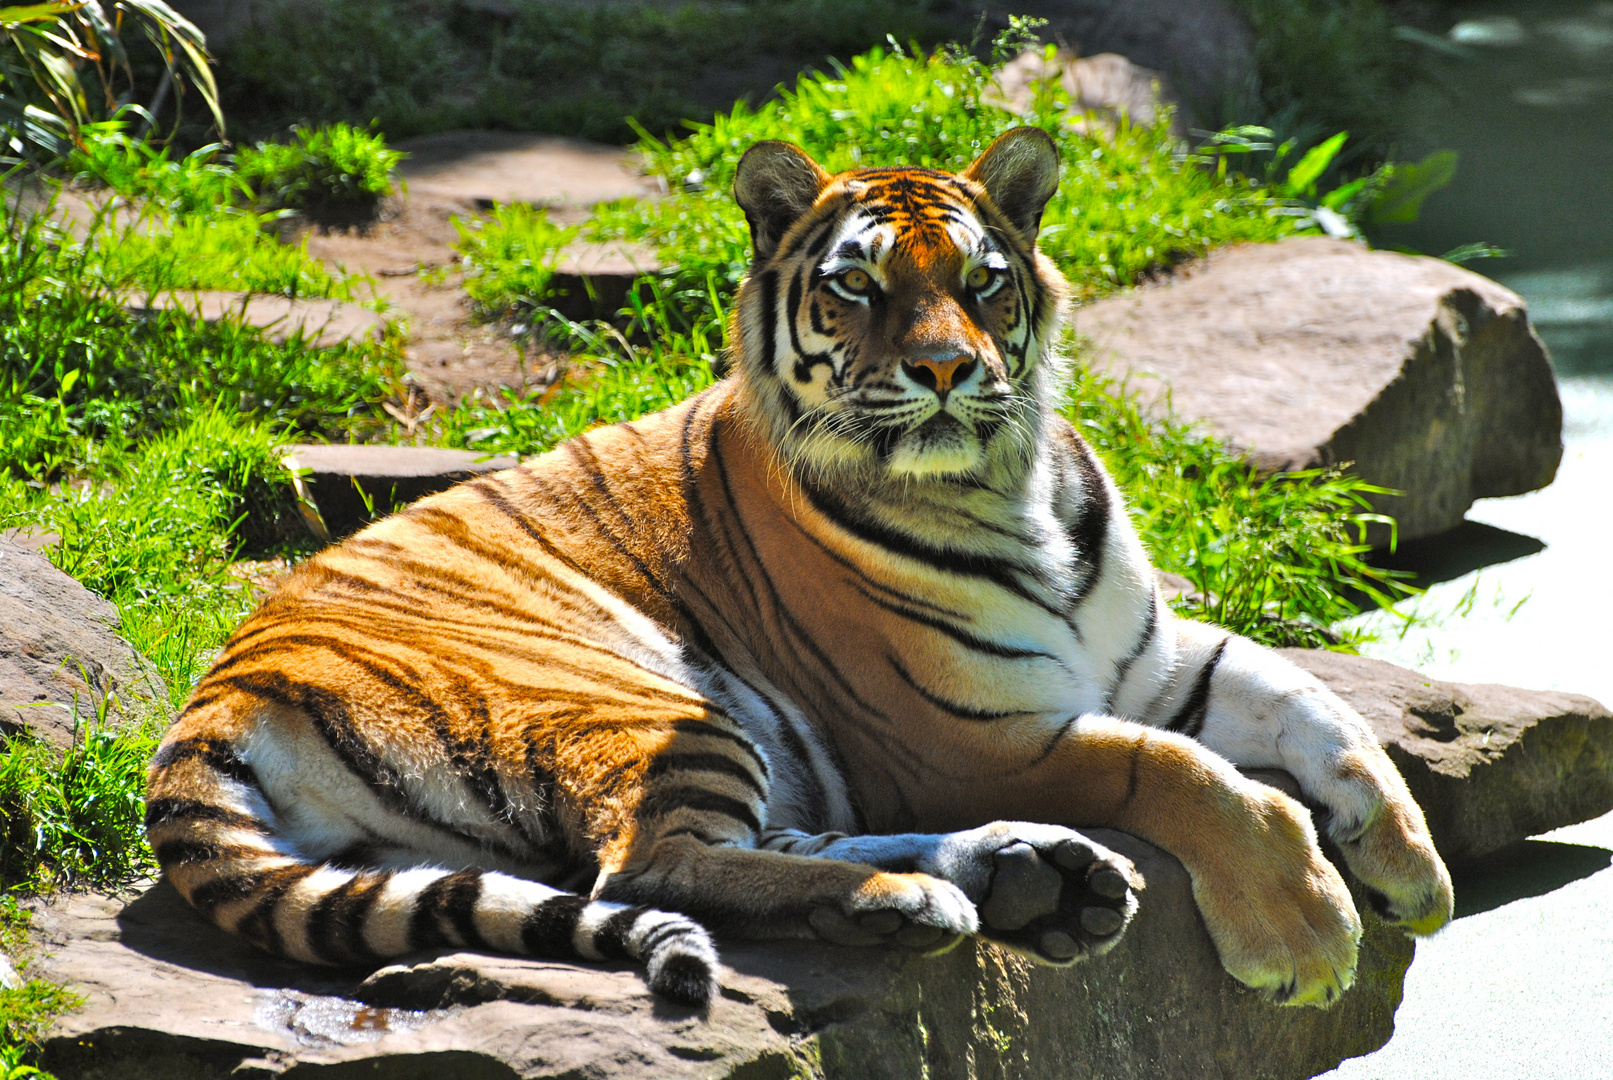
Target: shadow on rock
1529,868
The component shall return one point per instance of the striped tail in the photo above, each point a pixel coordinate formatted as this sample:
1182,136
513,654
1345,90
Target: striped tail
232,867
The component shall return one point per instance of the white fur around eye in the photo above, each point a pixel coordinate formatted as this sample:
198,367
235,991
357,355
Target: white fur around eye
993,284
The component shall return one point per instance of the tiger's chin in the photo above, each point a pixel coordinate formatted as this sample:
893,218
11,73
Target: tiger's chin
939,448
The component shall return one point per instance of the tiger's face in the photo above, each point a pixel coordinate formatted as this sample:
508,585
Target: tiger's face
895,322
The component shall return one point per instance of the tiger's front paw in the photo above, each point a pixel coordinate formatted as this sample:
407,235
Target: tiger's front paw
1042,890
916,911
1381,832
1280,915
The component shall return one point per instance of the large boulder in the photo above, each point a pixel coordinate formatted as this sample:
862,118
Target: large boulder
1489,765
169,996
1317,351
60,655
1205,48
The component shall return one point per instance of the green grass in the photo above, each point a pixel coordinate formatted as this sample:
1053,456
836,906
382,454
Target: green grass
509,256
335,169
26,1011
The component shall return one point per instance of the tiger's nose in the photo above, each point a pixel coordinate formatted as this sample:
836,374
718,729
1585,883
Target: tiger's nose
939,373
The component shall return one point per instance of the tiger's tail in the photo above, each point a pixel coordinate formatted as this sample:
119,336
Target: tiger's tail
218,843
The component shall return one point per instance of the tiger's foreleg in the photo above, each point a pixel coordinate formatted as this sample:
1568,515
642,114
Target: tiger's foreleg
1279,914
691,843
1258,710
1043,890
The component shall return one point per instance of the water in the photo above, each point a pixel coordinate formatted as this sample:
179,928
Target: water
1520,986
1531,114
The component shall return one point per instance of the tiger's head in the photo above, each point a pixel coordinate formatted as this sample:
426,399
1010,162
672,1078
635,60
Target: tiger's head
897,323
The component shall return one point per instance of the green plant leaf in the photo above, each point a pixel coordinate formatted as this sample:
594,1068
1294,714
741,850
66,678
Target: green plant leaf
1400,199
1308,169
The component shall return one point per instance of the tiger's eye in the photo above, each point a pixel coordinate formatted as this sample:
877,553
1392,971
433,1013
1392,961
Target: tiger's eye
856,280
979,277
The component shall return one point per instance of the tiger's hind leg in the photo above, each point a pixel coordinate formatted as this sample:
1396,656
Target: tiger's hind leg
1042,890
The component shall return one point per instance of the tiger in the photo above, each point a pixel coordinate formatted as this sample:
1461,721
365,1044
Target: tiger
846,647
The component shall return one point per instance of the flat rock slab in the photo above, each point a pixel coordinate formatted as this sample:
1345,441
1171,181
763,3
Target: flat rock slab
593,281
344,488
1489,765
169,996
60,653
321,323
1317,351
486,167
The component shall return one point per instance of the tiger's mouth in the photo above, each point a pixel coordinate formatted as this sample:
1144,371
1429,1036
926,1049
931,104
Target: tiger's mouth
942,445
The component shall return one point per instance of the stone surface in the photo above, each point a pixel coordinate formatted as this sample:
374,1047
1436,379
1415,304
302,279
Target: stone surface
1489,765
592,281
347,487
168,996
322,323
60,652
1319,351
1204,47
484,167
1107,85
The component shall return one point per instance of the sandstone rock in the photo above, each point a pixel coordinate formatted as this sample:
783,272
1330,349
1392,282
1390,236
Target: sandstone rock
322,323
1489,765
170,996
1319,351
592,281
484,167
1107,85
1204,47
60,653
343,488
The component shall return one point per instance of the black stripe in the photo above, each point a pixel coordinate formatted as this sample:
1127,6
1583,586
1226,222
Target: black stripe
336,924
767,287
1088,532
549,929
707,728
671,798
216,754
611,939
447,902
1123,668
162,811
961,636
992,568
172,853
335,724
1189,719
660,935
962,712
691,762
258,926
684,830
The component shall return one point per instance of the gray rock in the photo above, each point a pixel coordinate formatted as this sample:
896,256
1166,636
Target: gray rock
167,996
1107,85
1204,47
1489,765
343,488
1318,351
321,323
60,654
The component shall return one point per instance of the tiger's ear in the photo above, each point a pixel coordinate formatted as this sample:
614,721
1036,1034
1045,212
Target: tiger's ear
775,184
1020,171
